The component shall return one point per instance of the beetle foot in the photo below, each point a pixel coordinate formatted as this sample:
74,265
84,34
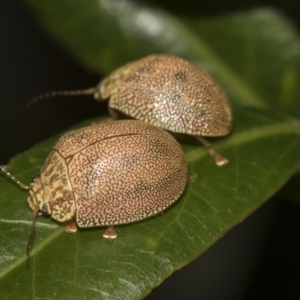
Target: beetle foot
220,160
71,227
110,233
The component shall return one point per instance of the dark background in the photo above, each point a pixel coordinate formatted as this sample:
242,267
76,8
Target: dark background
258,259
32,63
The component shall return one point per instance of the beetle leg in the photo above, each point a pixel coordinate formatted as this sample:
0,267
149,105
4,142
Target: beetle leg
110,233
113,113
219,159
71,226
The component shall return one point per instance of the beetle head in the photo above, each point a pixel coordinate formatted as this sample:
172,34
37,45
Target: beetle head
51,192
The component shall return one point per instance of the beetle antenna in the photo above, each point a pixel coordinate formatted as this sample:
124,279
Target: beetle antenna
61,93
20,184
32,233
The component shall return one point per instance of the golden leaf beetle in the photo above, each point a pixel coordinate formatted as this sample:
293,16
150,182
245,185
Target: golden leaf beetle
169,92
108,174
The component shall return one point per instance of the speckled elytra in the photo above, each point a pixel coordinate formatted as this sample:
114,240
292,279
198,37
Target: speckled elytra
168,92
108,174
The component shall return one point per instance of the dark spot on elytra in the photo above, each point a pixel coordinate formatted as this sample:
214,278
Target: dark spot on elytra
133,78
180,76
175,95
141,188
144,69
130,160
160,147
78,136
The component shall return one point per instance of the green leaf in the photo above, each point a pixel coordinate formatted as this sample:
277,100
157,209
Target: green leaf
85,266
254,55
263,52
263,150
